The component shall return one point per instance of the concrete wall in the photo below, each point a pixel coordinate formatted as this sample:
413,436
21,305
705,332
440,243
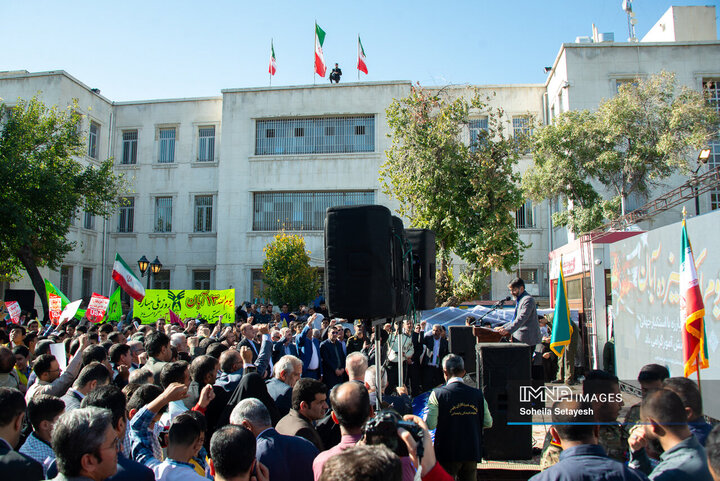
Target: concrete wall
684,24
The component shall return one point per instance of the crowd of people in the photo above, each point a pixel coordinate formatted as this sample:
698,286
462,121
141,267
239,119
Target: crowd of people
271,396
294,395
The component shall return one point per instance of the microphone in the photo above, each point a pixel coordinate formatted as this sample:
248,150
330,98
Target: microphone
502,301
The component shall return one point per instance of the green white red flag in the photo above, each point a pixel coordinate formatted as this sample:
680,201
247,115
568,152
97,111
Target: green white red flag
362,66
273,64
320,68
692,310
126,279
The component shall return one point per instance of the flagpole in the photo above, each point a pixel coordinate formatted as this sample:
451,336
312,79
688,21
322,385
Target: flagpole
314,48
270,69
358,55
697,361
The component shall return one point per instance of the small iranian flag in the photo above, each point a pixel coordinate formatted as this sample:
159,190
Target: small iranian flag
362,66
125,278
319,58
273,65
692,310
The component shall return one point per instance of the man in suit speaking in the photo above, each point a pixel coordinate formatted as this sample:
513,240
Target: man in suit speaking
525,326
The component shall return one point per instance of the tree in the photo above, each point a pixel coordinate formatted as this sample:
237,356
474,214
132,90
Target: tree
44,187
464,191
287,274
631,143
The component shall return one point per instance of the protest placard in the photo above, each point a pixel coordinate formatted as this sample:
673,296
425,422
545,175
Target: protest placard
97,307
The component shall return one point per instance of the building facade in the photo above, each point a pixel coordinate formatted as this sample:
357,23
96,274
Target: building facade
214,179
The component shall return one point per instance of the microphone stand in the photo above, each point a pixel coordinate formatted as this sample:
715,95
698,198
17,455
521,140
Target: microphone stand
494,308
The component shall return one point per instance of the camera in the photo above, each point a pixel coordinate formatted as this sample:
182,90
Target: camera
382,429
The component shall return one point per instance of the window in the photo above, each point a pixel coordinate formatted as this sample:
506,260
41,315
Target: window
206,144
521,126
478,132
201,280
300,210
203,213
161,280
127,214
623,82
163,214
712,90
167,146
89,221
327,135
86,286
529,276
524,216
256,284
93,139
66,278
129,147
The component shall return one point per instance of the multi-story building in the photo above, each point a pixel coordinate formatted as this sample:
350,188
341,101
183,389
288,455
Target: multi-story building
214,179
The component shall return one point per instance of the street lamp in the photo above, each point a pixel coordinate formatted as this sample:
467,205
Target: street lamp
155,267
702,159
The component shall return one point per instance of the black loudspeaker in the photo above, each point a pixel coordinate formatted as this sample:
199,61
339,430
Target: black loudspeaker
24,297
422,242
400,268
502,369
358,267
461,341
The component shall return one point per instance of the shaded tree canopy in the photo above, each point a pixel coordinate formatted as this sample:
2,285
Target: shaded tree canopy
287,275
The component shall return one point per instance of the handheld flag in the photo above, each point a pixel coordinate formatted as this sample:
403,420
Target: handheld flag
52,293
562,325
273,65
114,310
362,66
126,279
319,58
692,310
175,319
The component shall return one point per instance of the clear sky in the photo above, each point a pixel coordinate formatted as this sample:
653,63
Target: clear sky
134,50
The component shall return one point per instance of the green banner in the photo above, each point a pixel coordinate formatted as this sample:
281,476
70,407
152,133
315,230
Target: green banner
50,287
186,304
114,310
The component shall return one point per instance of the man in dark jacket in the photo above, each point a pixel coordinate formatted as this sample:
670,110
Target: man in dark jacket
333,359
309,403
460,413
14,465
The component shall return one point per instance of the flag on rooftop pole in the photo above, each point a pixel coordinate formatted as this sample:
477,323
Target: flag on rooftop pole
362,66
273,64
125,277
692,310
319,58
562,328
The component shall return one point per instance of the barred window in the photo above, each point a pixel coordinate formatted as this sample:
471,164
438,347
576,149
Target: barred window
206,144
300,210
86,287
129,148
478,132
521,126
93,139
66,278
167,146
201,280
126,215
161,280
163,214
327,135
203,213
89,221
712,90
524,216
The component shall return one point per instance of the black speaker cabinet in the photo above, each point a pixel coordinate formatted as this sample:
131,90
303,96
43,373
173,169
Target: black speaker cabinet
422,242
461,341
502,369
358,267
400,268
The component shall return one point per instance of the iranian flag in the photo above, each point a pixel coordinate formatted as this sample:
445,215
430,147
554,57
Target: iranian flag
273,65
125,278
319,58
362,66
692,310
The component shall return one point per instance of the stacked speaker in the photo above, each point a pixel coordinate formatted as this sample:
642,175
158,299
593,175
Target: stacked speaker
373,266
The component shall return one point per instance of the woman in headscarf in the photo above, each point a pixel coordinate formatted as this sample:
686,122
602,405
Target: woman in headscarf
251,385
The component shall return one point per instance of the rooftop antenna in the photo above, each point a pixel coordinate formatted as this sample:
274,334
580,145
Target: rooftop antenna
632,21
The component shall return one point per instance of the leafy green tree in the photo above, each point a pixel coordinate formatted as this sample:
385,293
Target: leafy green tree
287,274
44,186
633,142
464,191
